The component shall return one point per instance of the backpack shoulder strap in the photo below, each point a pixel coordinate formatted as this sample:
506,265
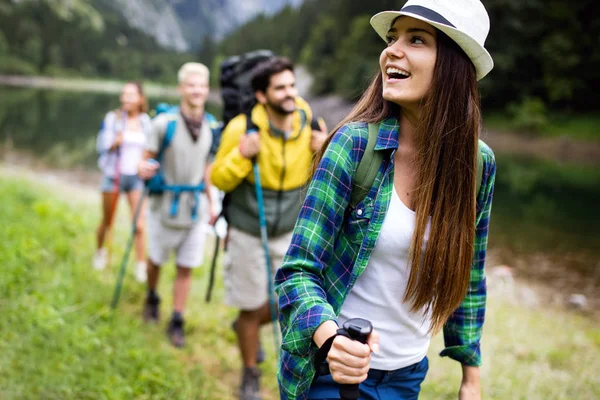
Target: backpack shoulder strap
213,123
479,172
250,125
167,139
314,124
210,118
216,128
367,168
303,119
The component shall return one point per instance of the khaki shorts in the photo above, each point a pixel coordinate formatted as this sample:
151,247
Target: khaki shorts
188,244
246,272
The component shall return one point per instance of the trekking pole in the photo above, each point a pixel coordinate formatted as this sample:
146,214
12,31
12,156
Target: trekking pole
213,266
355,329
265,243
117,292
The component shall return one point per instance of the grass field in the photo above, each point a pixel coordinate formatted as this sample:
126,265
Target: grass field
60,340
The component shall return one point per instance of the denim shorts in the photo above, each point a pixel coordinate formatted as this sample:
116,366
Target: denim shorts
127,183
400,384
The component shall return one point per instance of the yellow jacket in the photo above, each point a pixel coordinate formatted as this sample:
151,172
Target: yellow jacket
285,168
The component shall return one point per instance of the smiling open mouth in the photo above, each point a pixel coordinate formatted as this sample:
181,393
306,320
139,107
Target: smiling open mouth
395,73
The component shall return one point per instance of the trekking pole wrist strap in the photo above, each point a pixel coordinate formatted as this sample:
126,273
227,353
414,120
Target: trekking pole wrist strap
321,365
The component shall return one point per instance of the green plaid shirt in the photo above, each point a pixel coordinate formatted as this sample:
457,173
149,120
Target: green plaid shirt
331,247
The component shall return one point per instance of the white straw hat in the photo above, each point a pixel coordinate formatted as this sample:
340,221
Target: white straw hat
464,21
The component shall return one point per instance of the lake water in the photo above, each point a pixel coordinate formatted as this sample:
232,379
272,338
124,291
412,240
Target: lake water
540,207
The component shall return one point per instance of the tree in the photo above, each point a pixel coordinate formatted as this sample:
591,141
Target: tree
544,49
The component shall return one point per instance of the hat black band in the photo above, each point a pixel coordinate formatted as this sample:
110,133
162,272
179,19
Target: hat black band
427,13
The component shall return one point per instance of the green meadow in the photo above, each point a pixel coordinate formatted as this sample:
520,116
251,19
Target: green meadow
61,341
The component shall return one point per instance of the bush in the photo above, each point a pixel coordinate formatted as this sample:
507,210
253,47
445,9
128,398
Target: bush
529,115
12,65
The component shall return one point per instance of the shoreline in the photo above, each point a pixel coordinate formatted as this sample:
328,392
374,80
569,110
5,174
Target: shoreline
90,85
81,84
333,109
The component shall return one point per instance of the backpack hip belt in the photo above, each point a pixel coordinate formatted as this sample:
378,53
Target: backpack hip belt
177,190
157,184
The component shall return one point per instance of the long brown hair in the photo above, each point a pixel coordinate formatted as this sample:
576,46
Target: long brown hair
446,143
143,105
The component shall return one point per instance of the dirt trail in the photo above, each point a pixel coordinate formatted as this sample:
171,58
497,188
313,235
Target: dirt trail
74,185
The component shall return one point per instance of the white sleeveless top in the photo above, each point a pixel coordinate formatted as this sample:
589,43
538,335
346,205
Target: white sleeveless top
377,294
132,150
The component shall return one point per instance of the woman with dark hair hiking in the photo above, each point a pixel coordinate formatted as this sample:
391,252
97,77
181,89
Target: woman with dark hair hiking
406,247
121,145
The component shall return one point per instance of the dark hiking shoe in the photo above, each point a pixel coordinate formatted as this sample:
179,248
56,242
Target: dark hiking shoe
175,333
260,355
250,389
151,312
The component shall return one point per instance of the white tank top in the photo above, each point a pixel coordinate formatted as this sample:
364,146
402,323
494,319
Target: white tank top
132,149
377,294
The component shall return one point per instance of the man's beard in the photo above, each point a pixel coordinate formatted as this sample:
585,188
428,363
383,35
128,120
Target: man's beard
279,109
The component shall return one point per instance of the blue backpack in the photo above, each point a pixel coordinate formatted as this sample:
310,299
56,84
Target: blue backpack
157,185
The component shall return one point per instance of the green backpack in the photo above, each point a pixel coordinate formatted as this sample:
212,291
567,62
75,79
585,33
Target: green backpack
371,161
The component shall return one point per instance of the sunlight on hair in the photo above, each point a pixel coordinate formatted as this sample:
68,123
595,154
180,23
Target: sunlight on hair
192,68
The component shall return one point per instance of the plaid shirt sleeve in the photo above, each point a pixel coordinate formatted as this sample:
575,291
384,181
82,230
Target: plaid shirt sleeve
462,331
303,302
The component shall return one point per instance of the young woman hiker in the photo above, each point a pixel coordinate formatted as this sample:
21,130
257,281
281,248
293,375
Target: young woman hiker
121,145
409,256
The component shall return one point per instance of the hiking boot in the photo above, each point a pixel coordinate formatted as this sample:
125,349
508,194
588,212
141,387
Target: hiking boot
175,333
260,354
100,258
151,309
250,389
141,271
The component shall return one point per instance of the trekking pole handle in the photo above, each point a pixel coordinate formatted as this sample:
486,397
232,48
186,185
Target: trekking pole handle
315,124
253,131
357,329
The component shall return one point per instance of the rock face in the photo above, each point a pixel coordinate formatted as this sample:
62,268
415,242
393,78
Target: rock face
156,18
229,14
182,24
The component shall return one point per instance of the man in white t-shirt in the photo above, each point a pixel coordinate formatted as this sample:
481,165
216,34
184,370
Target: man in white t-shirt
175,220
